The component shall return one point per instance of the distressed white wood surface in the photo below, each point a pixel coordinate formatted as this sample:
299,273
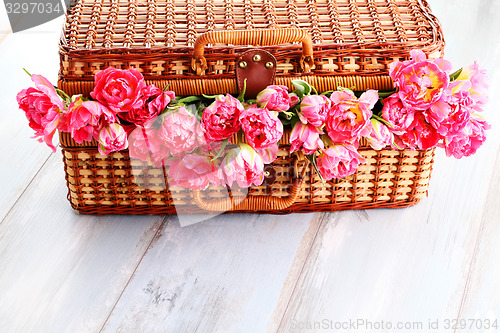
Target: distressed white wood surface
61,272
21,156
432,261
481,299
221,275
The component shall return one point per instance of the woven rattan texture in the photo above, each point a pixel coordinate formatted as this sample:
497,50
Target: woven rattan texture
353,43
116,184
350,37
187,86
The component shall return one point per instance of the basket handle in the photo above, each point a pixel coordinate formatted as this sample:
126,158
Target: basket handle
253,202
262,37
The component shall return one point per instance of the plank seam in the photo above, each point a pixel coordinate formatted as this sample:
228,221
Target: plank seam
301,271
26,188
475,251
164,222
469,271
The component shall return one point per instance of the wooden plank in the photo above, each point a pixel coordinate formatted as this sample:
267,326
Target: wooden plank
481,301
291,281
474,29
470,28
402,265
63,272
221,275
22,157
415,264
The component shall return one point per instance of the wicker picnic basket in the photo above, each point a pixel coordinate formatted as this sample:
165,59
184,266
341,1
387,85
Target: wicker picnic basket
197,47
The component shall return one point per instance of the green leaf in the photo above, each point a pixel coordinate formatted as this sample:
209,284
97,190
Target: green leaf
288,114
189,99
191,108
285,122
312,158
358,93
200,107
209,96
328,92
294,121
339,88
286,117
455,75
299,94
396,145
326,140
63,95
382,120
170,108
384,94
302,87
224,144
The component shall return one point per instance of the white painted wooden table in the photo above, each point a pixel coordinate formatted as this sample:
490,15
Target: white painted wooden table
62,272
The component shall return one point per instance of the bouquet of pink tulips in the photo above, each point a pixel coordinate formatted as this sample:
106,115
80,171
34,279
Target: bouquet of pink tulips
430,107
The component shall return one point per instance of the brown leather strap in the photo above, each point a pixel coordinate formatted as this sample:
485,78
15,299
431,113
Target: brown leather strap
258,68
263,37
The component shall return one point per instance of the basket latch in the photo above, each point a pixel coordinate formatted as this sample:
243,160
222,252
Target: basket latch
258,68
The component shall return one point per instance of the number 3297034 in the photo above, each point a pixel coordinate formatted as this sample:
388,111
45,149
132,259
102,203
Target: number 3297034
479,324
33,8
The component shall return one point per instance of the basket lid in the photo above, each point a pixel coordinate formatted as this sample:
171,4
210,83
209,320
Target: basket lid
349,37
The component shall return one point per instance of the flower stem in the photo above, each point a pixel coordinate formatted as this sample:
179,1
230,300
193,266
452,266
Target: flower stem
312,159
224,144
